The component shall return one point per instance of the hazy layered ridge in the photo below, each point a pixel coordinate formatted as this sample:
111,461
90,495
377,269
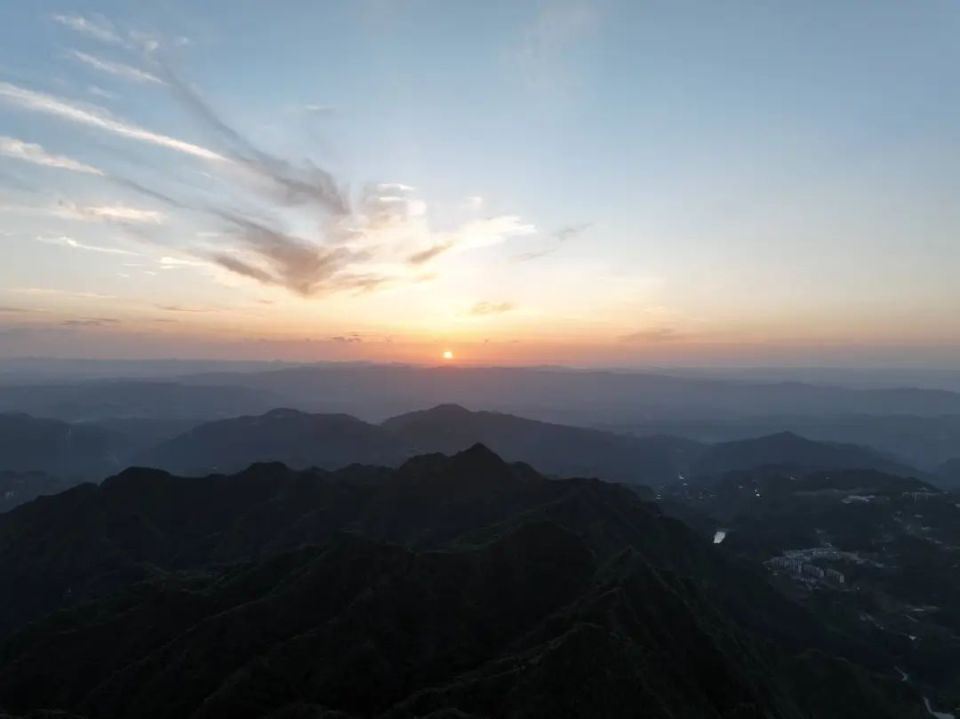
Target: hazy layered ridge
303,440
920,427
72,452
550,393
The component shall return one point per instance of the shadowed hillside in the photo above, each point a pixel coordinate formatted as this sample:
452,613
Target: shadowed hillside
790,450
461,586
297,439
550,447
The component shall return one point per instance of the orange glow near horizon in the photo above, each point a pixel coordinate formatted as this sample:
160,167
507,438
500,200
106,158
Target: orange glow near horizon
448,355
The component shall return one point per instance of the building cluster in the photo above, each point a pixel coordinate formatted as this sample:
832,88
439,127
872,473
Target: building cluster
797,567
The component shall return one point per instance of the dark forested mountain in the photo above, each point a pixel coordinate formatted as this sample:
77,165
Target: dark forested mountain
72,450
550,447
297,439
450,587
949,473
45,456
18,488
302,440
788,449
873,555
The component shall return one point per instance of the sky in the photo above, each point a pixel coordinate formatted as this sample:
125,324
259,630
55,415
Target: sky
516,182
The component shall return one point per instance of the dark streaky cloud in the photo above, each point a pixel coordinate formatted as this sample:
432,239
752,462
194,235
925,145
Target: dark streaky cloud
90,322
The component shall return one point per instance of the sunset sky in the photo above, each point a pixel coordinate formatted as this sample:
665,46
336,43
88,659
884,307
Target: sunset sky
586,183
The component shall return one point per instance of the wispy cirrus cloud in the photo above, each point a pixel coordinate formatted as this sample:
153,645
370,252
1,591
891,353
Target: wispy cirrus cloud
90,322
56,292
67,210
363,241
98,118
482,309
36,154
274,257
491,231
558,238
98,91
182,308
427,254
95,28
65,241
244,268
116,69
101,29
303,184
365,250
319,109
123,214
357,231
548,43
474,234
167,262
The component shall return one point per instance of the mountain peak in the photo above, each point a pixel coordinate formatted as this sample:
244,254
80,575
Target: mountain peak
283,413
137,473
449,409
785,436
135,479
477,467
479,455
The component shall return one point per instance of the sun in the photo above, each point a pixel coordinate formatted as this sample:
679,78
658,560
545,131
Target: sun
447,355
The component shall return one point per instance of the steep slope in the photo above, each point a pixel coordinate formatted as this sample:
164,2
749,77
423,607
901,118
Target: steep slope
553,448
873,555
18,488
297,439
200,597
494,631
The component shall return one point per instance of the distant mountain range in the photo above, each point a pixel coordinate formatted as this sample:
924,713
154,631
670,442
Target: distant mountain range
379,391
921,426
567,395
455,586
90,401
791,450
77,451
553,448
295,438
302,440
